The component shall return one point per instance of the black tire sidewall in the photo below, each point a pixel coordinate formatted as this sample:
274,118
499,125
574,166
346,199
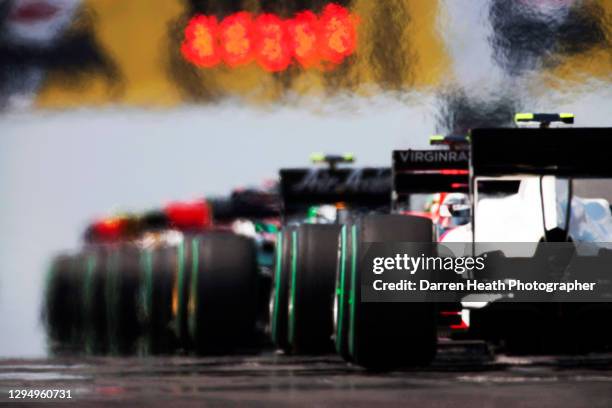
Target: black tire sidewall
385,336
312,291
223,297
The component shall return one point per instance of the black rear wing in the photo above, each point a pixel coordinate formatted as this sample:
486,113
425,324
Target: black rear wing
248,203
430,171
562,152
367,187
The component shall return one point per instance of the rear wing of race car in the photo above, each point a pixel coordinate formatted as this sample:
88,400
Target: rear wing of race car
197,215
253,204
562,152
454,142
429,171
544,119
366,187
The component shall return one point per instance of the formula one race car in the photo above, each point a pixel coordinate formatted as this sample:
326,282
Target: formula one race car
435,180
417,176
183,277
517,163
316,202
535,174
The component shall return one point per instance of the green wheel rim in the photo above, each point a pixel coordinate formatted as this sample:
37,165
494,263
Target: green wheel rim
293,284
353,297
146,263
277,283
88,294
340,290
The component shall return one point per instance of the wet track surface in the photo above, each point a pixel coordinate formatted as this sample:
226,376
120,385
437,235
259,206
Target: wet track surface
464,375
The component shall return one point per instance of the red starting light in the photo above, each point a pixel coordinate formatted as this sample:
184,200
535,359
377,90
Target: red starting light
303,32
271,41
189,215
272,46
338,36
200,46
236,37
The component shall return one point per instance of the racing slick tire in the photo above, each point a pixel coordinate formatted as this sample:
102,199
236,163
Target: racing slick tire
279,295
62,303
159,269
382,336
223,293
312,283
122,298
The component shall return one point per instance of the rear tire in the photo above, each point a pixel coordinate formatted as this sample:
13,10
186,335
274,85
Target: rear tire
384,336
223,295
311,294
122,297
62,305
159,268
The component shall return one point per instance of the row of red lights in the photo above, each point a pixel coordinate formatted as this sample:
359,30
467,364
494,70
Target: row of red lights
321,41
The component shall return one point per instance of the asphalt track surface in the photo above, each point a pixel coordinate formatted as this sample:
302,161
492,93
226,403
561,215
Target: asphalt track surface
465,374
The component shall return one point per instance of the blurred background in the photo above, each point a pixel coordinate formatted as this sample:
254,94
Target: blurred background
102,109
